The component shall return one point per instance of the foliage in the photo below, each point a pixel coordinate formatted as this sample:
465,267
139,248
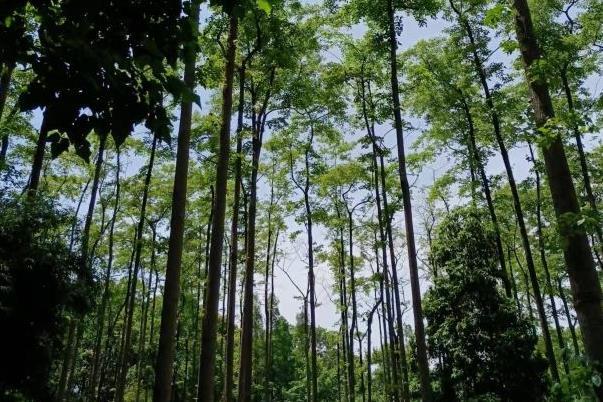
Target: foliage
41,281
486,348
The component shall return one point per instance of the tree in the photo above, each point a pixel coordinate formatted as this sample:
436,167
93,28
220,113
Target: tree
209,323
576,248
36,265
484,347
165,355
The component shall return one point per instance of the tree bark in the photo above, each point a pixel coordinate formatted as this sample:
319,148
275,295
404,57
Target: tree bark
568,316
311,278
369,352
73,324
234,247
422,363
267,306
581,155
246,366
123,364
584,280
545,266
166,350
488,196
481,73
105,296
38,159
5,78
388,316
209,322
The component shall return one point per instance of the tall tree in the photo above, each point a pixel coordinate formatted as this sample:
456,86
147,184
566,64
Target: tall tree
206,390
171,295
586,287
408,214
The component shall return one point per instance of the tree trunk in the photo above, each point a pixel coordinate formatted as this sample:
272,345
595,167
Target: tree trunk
143,333
38,159
5,78
348,353
247,319
480,70
246,366
123,364
568,316
396,289
153,304
267,306
311,278
71,349
377,152
581,155
105,296
209,322
488,195
422,363
512,277
545,265
388,316
234,247
369,352
166,350
584,281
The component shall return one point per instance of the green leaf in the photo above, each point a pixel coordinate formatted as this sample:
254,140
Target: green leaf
494,15
265,6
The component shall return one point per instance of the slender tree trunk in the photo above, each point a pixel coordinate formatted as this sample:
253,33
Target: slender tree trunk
123,364
143,336
401,347
526,284
338,373
246,366
388,316
480,69
166,350
234,247
273,263
545,266
247,319
348,355
267,307
369,352
311,278
38,159
209,322
581,154
66,361
105,296
73,323
568,316
488,195
354,326
406,198
307,352
512,278
383,334
153,304
370,131
396,289
584,280
5,78
202,290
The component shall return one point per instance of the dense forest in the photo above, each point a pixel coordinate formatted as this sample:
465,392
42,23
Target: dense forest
301,200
